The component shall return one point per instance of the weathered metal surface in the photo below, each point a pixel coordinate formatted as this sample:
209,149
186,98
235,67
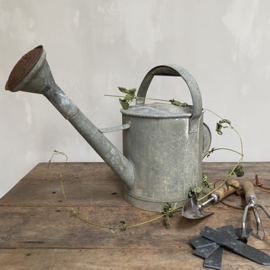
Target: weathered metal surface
162,155
207,139
22,68
251,201
205,252
199,242
229,229
238,232
173,70
214,260
116,128
170,163
192,209
224,239
158,110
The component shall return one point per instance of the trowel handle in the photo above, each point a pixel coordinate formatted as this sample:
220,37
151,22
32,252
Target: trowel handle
224,192
248,189
173,70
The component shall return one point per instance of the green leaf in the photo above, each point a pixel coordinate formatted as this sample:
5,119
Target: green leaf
124,103
194,191
175,102
225,121
168,211
227,185
123,227
128,97
238,171
131,91
218,129
233,186
205,184
123,90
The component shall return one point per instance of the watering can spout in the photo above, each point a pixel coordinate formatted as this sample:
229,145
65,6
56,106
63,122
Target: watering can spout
32,74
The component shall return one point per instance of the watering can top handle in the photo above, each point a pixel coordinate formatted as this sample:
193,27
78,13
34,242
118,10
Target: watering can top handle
173,70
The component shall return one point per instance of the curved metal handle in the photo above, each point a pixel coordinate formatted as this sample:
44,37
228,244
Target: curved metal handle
173,70
207,138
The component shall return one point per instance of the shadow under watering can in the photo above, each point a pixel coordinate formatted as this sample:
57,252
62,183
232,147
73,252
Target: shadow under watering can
163,144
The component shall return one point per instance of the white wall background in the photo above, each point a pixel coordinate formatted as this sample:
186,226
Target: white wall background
96,45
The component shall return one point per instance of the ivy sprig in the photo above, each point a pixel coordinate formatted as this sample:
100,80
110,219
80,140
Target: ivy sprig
238,171
123,227
178,103
219,125
168,212
197,190
130,95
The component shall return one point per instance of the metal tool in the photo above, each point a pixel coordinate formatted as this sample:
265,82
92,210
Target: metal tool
206,248
193,210
205,252
214,260
163,144
251,200
224,239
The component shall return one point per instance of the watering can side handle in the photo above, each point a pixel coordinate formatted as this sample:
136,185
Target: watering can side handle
173,70
207,139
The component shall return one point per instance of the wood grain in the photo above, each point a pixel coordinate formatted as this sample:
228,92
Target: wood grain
116,259
38,231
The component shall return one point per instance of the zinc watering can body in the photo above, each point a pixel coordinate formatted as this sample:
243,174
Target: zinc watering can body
163,144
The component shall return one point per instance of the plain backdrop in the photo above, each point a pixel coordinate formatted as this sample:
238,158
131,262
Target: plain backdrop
94,46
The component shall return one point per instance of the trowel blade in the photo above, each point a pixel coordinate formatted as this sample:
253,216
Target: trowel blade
192,210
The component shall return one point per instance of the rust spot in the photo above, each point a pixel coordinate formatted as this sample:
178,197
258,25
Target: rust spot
22,68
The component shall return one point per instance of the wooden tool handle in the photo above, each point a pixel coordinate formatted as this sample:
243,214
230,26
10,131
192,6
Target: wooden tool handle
248,189
223,192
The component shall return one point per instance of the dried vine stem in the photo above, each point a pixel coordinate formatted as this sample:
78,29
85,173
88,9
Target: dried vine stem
238,163
82,218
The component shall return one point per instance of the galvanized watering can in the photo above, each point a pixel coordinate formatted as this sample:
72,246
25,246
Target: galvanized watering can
163,144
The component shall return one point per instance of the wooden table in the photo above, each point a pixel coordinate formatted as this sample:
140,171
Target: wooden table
38,231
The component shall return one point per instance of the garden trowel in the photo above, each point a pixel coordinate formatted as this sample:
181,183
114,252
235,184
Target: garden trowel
193,209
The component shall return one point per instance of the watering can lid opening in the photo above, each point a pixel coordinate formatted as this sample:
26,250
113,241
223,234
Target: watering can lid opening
159,110
23,67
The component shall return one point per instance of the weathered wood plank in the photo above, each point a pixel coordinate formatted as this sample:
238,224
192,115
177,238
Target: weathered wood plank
37,230
51,227
116,259
96,184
